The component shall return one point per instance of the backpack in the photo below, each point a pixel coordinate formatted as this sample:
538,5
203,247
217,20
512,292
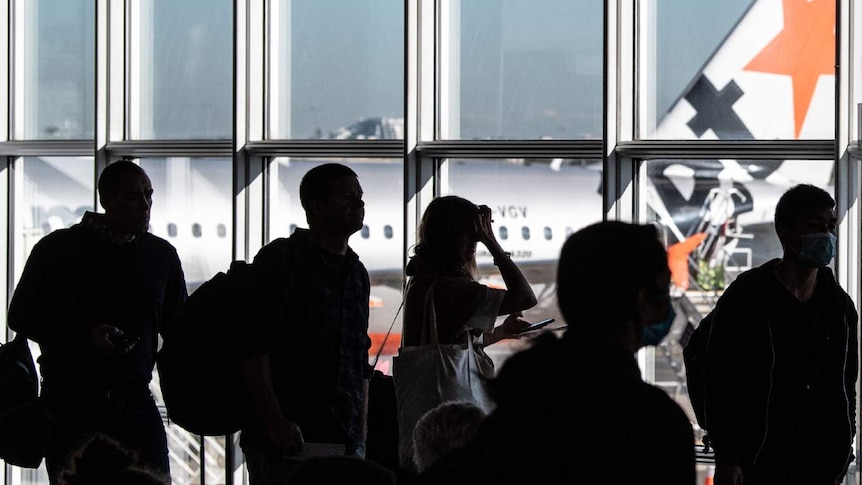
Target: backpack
25,426
694,354
199,361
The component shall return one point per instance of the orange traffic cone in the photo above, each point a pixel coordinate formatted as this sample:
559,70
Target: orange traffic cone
710,472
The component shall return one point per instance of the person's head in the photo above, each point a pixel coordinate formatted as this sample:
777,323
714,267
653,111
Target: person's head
99,459
126,194
805,222
445,427
448,233
610,275
332,198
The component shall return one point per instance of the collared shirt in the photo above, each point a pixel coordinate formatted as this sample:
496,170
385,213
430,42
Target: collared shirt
308,310
96,224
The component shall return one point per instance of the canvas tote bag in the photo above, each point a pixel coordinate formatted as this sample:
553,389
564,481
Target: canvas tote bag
433,373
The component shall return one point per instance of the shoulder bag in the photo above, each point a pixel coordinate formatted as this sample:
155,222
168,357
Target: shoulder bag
25,427
433,373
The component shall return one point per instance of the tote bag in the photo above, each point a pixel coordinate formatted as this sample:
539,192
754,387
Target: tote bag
433,373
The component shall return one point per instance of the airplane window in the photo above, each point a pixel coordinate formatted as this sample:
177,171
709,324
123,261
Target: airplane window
569,231
504,233
525,233
221,230
196,230
548,233
387,231
365,232
172,229
292,228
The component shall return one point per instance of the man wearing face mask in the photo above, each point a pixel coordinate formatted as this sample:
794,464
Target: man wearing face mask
779,396
575,409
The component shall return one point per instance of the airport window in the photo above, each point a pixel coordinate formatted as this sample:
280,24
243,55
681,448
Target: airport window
336,73
707,132
488,68
58,66
181,77
52,194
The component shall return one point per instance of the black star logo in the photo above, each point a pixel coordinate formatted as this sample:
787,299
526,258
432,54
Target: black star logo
715,110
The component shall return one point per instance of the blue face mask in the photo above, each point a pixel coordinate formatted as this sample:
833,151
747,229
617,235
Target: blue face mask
817,249
654,333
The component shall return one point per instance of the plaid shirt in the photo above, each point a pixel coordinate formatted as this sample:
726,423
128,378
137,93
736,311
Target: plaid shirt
309,312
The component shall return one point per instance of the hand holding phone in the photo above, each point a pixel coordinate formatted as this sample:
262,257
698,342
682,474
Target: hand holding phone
537,325
122,341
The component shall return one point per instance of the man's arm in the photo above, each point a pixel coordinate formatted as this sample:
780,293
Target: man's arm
176,294
284,434
28,314
721,389
851,372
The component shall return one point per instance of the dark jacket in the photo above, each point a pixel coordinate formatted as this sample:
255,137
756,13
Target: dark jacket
308,310
74,280
763,374
570,412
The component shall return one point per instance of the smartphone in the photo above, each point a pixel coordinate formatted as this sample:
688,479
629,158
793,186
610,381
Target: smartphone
538,325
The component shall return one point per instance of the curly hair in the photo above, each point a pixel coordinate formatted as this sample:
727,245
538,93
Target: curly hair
448,426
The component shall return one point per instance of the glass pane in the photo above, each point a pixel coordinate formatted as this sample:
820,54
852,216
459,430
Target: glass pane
336,69
192,209
181,69
53,79
521,69
379,243
536,204
725,211
740,70
50,193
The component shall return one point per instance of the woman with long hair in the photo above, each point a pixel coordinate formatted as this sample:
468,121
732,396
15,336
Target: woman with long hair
445,254
444,261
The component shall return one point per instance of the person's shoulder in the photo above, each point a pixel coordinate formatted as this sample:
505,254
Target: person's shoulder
63,234
663,408
158,243
756,275
750,283
278,247
826,279
61,239
535,369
